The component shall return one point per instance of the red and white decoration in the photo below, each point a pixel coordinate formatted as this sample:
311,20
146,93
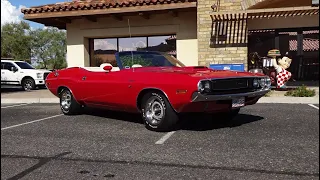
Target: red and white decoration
308,45
282,77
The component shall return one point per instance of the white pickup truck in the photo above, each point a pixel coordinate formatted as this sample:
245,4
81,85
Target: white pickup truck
20,73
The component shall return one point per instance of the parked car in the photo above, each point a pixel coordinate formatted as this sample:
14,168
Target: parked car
156,85
20,73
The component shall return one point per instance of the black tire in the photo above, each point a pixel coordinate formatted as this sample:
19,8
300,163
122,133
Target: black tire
167,117
68,105
28,84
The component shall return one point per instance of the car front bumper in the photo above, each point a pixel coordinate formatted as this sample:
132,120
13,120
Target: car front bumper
198,97
218,103
39,82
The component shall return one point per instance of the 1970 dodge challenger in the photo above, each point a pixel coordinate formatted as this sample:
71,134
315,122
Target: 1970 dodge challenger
156,85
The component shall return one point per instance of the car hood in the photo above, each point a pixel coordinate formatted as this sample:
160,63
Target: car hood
197,71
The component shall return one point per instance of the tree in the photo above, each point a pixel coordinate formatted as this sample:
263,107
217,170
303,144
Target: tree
49,48
15,41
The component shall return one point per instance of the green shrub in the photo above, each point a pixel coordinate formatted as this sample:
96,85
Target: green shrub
301,91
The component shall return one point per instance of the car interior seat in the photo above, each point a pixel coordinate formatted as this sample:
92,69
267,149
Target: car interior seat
136,65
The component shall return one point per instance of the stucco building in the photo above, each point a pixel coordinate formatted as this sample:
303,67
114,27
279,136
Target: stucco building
197,32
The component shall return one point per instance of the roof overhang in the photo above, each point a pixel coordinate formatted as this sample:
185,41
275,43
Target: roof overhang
264,4
265,13
62,17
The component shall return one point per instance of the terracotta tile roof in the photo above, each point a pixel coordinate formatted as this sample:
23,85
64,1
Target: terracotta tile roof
96,4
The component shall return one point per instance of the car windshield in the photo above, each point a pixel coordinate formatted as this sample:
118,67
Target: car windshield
146,59
24,65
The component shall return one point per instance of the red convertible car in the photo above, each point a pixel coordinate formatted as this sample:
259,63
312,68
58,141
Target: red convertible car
156,85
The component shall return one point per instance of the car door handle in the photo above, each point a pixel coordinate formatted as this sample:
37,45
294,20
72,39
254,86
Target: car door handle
84,78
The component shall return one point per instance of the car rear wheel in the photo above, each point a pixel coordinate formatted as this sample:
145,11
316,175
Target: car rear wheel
157,113
28,84
68,104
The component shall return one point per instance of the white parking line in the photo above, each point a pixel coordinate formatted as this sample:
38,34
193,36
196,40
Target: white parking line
38,120
165,137
15,105
313,106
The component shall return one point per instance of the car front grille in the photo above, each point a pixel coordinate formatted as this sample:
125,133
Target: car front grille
232,85
45,75
229,84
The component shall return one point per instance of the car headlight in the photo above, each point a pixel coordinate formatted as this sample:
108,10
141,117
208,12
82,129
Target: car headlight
200,86
262,82
39,75
204,86
268,82
255,83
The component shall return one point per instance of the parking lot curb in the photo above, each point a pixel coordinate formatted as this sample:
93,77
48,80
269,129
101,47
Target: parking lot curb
290,100
286,100
29,100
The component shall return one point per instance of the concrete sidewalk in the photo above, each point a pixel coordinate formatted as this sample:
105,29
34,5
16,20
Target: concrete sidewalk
35,96
44,96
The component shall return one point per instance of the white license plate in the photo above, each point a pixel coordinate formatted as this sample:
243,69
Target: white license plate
238,102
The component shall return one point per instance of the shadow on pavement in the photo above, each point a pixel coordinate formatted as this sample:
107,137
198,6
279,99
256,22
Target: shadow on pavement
191,122
135,118
11,90
211,122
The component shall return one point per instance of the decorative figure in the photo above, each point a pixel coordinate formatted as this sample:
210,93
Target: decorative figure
282,74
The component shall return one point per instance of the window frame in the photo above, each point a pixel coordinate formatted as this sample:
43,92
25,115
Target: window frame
91,49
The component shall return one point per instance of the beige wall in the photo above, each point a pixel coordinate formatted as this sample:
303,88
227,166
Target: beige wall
225,53
281,22
184,26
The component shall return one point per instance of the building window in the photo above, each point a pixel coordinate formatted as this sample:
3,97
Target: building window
166,44
259,43
132,44
103,50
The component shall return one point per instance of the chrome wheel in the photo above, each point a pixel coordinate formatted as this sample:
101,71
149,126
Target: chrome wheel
66,100
154,111
28,85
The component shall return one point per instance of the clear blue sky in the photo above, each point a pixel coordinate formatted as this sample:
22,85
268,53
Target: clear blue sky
11,12
34,2
29,3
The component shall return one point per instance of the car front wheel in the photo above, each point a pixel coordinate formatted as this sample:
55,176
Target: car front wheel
68,104
28,84
157,113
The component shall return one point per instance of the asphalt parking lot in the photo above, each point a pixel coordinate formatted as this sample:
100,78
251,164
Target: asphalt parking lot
265,141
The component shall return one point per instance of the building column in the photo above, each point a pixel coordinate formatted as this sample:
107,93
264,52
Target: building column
77,50
216,39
